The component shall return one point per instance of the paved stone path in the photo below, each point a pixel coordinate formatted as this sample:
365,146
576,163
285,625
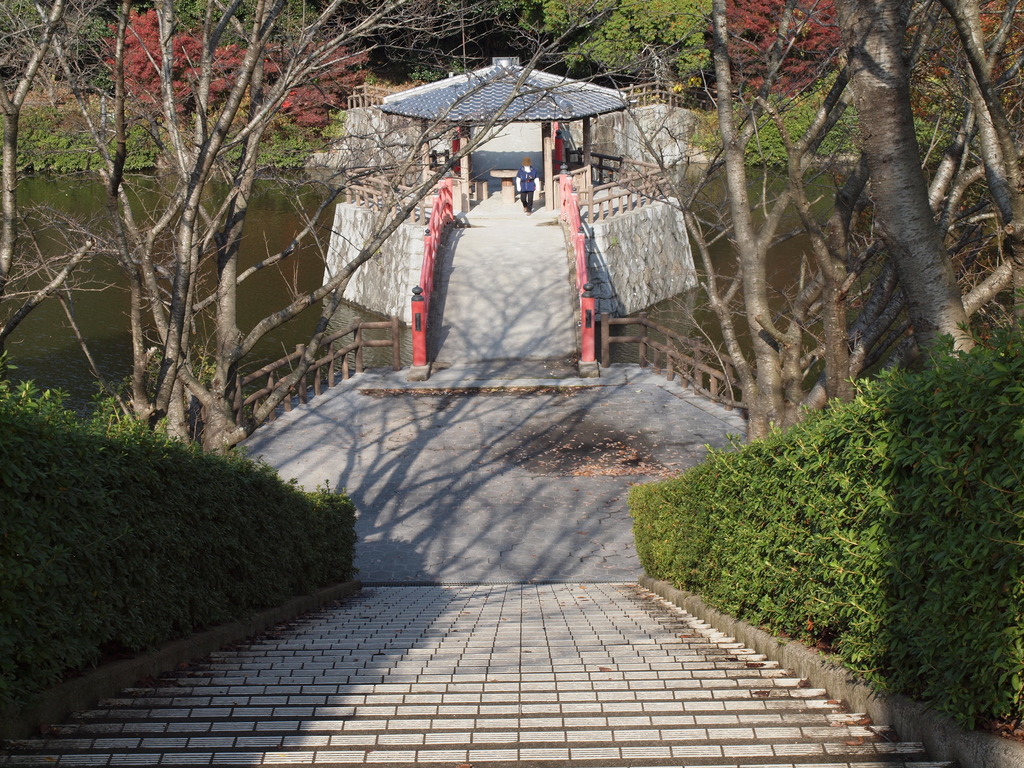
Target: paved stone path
501,675
527,483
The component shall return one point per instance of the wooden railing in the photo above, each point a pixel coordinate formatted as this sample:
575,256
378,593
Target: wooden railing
368,96
602,168
621,196
698,364
381,195
570,212
322,374
633,184
645,94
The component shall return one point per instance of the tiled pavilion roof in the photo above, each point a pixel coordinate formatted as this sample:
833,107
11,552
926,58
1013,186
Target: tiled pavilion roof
507,91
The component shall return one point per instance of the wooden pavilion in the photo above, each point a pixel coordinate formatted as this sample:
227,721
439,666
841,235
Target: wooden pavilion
506,92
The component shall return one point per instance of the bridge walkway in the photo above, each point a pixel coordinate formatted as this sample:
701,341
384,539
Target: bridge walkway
504,304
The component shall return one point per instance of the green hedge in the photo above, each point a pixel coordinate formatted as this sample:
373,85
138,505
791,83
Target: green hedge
115,539
889,530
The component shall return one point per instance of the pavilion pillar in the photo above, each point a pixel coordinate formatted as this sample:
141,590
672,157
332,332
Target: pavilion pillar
588,141
425,153
548,147
465,167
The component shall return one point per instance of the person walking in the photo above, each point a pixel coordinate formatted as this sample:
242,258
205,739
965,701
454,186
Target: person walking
526,184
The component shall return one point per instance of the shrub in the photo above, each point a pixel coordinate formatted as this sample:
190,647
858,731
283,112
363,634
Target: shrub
113,538
56,141
889,530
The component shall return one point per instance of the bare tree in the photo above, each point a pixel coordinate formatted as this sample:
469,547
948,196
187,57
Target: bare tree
27,32
888,265
210,124
993,70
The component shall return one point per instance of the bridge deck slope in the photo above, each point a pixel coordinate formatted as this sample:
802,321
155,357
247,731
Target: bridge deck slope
504,297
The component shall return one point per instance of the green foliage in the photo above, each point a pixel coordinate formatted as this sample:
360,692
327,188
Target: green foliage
286,146
55,141
767,147
628,37
113,538
890,530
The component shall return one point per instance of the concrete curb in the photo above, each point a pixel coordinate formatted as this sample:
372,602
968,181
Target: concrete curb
913,721
83,692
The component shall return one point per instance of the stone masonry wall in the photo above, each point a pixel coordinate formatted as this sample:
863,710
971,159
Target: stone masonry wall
640,258
652,134
383,284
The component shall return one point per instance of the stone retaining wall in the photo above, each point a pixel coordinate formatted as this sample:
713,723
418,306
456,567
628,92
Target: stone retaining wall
383,284
656,133
639,258
373,139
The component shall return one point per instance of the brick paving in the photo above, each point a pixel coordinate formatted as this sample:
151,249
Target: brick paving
523,674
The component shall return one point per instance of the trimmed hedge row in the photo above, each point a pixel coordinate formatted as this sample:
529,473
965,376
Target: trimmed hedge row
115,539
889,530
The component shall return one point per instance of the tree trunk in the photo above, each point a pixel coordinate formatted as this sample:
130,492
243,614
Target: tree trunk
873,32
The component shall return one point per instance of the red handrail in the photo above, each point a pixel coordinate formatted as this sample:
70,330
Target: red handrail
442,214
571,216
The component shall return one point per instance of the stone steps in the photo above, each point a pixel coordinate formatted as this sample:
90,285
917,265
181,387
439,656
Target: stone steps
528,675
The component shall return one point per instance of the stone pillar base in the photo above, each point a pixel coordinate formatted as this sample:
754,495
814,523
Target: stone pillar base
419,372
590,370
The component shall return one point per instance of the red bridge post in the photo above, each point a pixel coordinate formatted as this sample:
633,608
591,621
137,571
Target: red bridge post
587,320
419,328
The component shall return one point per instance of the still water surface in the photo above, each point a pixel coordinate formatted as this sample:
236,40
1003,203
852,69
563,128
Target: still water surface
44,348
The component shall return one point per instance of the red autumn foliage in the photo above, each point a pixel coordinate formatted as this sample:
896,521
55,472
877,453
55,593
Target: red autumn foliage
812,39
309,105
142,62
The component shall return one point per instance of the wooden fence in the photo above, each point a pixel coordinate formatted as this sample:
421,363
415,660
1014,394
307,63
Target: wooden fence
700,366
380,195
646,94
322,374
368,96
634,185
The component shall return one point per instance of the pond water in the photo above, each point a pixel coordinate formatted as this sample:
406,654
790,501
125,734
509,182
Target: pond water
44,349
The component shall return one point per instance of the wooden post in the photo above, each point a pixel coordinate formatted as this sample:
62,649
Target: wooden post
419,328
330,366
587,141
606,336
359,349
587,320
549,172
396,346
643,340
